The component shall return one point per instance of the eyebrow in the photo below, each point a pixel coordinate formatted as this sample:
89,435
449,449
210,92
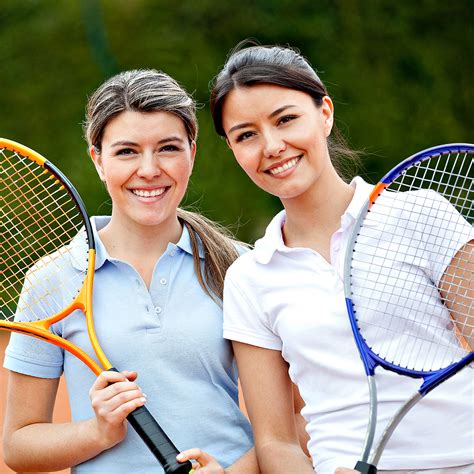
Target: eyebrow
160,142
273,114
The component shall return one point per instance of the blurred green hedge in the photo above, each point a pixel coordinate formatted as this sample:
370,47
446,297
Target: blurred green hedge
400,73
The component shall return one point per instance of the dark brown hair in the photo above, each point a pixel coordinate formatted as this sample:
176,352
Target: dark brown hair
282,66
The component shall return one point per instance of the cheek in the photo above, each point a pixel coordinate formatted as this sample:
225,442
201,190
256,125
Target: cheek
182,172
115,175
248,160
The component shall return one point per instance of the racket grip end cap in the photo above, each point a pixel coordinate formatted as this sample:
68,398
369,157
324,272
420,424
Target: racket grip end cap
365,468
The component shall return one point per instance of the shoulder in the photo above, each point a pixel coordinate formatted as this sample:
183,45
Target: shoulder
245,264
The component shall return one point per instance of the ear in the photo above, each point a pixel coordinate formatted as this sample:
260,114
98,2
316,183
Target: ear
193,152
193,148
97,160
327,110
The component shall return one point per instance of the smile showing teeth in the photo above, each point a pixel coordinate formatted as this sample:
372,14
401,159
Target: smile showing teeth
286,166
152,193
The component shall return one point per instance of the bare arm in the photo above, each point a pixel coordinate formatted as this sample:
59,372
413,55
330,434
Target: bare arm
33,443
268,394
457,290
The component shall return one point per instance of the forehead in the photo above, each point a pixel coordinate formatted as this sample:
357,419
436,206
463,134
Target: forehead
261,98
133,123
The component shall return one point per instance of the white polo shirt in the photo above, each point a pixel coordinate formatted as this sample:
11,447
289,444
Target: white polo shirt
292,300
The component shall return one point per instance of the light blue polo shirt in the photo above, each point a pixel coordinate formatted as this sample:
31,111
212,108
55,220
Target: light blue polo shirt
171,334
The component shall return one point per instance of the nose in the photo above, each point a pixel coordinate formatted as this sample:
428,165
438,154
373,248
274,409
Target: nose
274,144
148,166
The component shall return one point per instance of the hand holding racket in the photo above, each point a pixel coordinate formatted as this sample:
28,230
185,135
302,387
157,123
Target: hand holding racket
45,228
409,280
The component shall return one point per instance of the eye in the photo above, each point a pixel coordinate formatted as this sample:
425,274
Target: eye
169,148
125,152
244,136
286,119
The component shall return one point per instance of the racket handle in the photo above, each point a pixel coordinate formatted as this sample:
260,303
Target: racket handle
365,468
157,441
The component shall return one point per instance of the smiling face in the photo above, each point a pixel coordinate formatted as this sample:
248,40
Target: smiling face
146,160
279,138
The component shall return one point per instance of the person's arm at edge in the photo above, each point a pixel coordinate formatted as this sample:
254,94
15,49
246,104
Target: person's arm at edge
268,393
33,442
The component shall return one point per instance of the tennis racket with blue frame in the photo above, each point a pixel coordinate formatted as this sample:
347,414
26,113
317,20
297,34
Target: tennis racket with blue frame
408,275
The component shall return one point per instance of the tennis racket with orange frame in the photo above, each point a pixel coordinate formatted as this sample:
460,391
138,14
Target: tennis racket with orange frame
45,227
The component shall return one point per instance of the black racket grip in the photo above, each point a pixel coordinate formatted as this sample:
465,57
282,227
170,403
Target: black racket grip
157,440
365,468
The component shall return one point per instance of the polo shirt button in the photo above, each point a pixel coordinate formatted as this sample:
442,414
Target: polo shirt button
163,281
172,253
158,309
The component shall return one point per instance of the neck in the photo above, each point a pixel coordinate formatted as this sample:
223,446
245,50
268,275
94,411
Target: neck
312,219
139,245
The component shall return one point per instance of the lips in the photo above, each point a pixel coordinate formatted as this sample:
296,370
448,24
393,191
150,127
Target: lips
275,170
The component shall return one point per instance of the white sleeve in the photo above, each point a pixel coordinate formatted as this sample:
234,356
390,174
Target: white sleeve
244,319
447,232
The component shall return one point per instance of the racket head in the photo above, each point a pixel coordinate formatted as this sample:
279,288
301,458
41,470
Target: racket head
48,249
48,263
404,238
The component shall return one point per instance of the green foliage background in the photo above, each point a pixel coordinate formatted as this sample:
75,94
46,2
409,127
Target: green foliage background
400,73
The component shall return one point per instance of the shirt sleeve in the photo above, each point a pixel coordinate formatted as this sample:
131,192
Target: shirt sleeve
30,356
244,319
447,232
27,354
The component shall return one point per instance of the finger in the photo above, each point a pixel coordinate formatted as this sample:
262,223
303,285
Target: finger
112,382
116,410
114,396
203,458
106,378
120,387
188,454
130,375
125,408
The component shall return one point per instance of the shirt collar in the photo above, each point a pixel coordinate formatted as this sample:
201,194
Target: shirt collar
79,249
272,241
184,243
78,245
361,194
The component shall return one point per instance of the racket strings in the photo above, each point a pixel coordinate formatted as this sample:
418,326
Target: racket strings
39,222
411,294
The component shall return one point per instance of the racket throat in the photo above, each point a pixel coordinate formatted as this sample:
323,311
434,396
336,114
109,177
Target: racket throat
372,421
